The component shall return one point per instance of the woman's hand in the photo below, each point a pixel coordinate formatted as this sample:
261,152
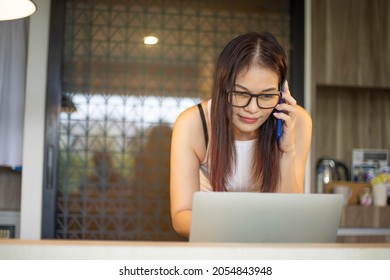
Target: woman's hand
288,115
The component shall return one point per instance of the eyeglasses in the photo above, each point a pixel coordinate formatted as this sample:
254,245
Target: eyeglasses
264,100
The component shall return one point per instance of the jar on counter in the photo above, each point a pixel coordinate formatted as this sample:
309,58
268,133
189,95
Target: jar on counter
366,197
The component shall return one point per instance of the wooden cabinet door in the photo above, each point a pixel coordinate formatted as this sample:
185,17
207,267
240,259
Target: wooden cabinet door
351,42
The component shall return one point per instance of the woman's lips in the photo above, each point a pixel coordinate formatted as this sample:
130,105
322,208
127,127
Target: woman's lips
248,120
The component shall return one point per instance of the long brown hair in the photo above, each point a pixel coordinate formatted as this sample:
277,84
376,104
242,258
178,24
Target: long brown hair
251,49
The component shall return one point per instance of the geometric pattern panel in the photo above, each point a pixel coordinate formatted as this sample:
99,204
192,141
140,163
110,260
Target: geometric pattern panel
121,98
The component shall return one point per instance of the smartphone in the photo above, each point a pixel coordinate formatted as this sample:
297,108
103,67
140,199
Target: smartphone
280,123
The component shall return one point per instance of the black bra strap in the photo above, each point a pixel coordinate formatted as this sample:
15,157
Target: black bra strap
204,124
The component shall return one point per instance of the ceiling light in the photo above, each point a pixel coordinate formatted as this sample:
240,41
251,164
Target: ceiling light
15,9
150,40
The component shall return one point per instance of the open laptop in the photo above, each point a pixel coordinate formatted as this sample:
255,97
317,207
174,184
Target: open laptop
265,217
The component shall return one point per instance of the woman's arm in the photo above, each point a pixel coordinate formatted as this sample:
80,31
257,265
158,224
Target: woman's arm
293,162
294,144
187,151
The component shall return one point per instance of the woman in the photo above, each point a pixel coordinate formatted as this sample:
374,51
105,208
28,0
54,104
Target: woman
229,143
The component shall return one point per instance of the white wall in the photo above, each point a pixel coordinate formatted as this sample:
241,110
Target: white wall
34,122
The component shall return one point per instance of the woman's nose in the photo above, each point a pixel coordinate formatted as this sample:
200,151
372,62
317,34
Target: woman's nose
252,106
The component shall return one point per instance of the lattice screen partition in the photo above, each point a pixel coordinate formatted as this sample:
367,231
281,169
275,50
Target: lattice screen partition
123,97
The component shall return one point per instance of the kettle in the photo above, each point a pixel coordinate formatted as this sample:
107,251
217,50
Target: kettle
328,170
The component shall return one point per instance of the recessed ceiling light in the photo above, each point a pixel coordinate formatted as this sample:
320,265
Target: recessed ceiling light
150,40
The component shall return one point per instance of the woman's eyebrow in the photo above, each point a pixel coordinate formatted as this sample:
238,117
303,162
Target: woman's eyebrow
268,89
242,87
264,90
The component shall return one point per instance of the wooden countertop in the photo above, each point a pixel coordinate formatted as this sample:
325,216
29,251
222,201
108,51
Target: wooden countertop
365,216
137,250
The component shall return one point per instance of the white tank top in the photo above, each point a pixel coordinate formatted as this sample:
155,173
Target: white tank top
241,179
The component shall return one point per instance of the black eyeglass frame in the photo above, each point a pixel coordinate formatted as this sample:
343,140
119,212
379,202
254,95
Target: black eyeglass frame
230,98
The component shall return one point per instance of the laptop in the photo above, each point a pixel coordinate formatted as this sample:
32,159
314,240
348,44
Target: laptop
265,217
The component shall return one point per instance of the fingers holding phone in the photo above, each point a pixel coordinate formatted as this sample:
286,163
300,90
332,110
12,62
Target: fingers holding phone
286,119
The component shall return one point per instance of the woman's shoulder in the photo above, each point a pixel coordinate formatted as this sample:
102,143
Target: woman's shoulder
188,130
188,116
191,116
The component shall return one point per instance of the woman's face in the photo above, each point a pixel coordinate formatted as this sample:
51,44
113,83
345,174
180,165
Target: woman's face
247,120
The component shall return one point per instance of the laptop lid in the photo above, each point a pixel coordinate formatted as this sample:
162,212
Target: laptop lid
265,217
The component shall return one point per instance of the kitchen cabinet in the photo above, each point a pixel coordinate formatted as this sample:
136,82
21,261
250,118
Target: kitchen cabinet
351,42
